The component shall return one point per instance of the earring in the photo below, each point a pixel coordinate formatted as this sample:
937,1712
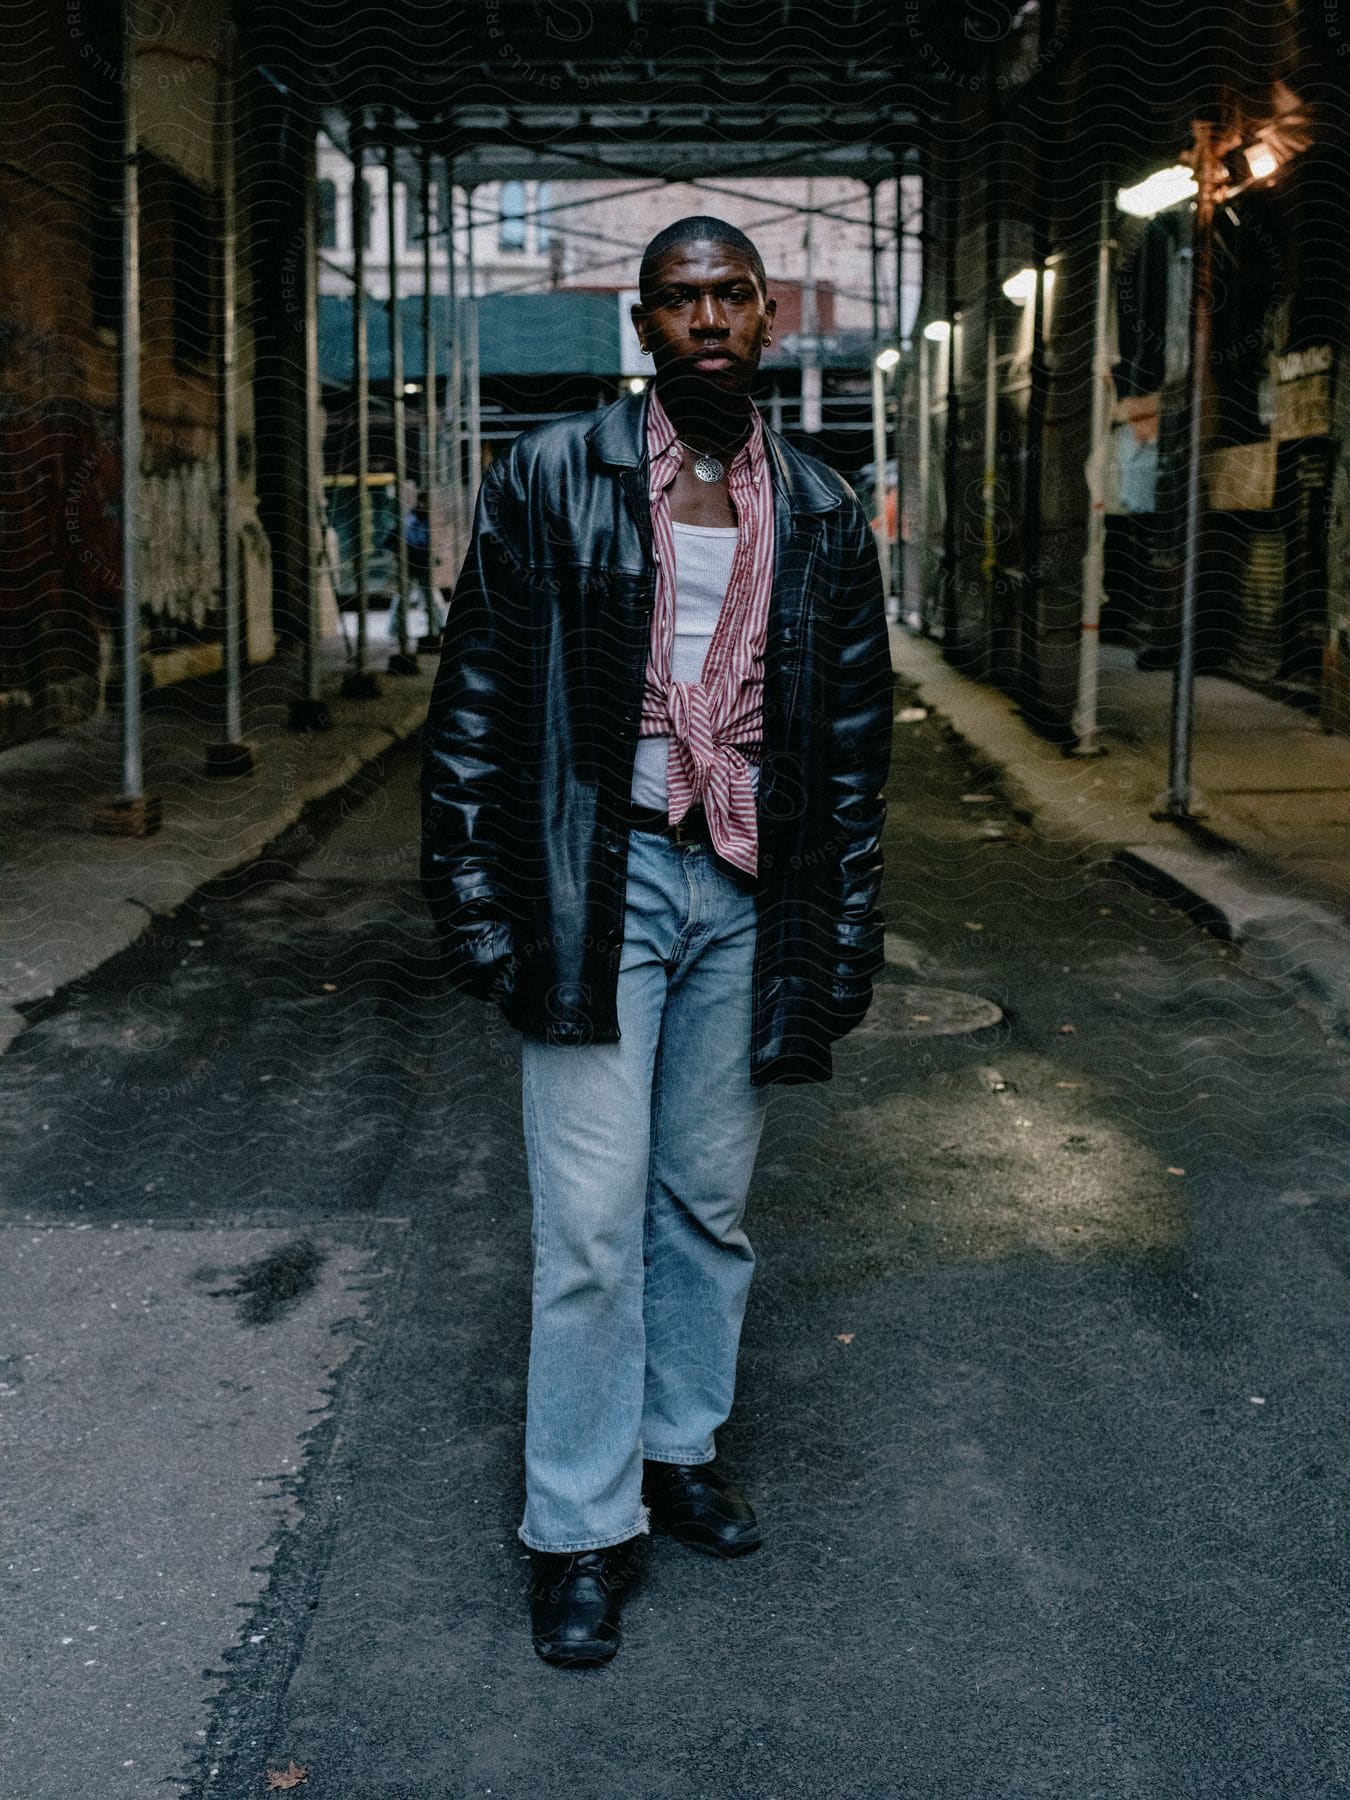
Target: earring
645,351
768,340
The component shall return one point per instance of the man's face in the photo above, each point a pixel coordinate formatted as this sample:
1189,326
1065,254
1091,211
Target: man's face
705,317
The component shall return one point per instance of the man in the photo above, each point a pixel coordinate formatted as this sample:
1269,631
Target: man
652,809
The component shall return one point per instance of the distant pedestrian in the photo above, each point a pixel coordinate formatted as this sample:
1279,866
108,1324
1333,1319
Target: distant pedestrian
653,782
422,594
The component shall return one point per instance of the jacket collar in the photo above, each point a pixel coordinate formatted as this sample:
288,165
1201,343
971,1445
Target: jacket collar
619,440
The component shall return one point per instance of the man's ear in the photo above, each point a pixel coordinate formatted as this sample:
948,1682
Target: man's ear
638,317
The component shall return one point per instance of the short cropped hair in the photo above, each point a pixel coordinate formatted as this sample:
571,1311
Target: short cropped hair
699,228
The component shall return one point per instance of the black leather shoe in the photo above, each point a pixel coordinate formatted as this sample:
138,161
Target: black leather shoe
574,1603
699,1507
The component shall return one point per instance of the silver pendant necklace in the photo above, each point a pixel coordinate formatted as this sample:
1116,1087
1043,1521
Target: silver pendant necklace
706,468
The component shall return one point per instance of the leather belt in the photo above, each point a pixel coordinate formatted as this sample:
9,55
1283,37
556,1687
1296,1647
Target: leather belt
692,828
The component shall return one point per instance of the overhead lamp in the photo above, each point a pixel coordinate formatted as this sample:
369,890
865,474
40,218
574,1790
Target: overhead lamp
1164,188
887,359
1021,287
636,384
1261,161
937,331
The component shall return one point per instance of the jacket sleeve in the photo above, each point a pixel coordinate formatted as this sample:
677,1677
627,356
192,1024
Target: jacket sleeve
473,745
858,739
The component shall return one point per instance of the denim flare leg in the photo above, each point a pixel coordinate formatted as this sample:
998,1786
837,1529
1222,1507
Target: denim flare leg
640,1154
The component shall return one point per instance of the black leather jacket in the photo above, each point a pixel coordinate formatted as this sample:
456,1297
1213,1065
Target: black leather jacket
532,731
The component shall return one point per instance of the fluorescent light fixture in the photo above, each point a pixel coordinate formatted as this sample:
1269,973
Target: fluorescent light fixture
937,331
887,359
636,384
1164,188
1262,161
1021,287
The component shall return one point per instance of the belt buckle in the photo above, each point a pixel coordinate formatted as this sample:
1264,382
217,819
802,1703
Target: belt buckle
681,834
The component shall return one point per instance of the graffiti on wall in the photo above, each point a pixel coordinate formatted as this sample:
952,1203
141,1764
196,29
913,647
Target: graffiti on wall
179,553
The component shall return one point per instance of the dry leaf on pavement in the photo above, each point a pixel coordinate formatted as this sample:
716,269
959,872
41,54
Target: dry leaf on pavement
1067,1030
291,1776
844,1337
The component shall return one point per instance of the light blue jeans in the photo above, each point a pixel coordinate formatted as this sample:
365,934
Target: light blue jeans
640,1154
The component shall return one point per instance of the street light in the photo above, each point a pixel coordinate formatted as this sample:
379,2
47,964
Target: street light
1164,188
888,360
1261,161
937,331
636,384
1157,192
1021,287
1204,183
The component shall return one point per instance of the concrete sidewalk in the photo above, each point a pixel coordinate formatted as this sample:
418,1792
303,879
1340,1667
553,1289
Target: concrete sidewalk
1269,866
70,899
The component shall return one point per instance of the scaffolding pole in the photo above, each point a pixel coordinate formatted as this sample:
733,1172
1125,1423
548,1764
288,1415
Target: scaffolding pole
925,496
1086,741
1181,801
454,379
133,813
308,712
430,415
360,683
903,573
404,659
231,756
878,401
473,372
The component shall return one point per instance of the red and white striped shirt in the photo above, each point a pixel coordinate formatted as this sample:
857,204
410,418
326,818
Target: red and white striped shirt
712,721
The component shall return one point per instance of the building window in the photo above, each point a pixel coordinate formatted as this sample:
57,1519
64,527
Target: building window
543,225
328,215
511,235
181,228
100,109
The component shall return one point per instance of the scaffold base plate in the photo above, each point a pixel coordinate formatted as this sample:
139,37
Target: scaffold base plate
137,815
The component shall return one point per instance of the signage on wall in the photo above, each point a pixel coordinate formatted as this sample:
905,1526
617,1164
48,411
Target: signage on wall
1315,360
1303,393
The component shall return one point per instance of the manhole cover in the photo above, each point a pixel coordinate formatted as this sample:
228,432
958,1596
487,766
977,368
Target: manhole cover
904,1011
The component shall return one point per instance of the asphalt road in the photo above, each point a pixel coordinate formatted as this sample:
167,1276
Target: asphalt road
1042,1394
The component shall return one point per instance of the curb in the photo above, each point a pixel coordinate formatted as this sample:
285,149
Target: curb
167,889
1299,944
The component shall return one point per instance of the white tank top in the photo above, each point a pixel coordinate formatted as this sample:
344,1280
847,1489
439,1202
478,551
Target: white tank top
703,558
